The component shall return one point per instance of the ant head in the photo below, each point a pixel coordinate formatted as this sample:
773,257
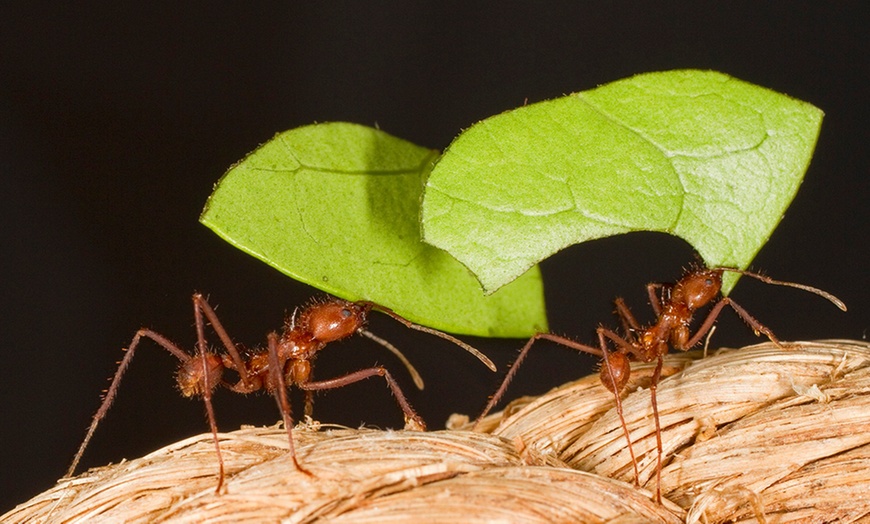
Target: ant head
334,319
698,287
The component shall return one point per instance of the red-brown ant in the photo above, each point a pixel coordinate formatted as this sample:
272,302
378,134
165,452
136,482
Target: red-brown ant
674,306
287,360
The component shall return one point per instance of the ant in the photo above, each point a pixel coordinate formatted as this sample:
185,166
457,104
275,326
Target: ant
674,306
287,360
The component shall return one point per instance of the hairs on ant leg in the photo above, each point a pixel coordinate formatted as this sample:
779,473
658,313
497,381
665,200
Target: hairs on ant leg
674,306
287,360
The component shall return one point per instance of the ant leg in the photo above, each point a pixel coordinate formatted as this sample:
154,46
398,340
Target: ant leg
201,304
705,327
615,381
629,324
624,344
116,381
309,397
212,421
411,416
756,326
277,374
652,290
493,400
652,390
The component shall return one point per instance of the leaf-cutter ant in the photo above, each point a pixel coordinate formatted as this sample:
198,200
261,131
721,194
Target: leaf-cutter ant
286,361
674,306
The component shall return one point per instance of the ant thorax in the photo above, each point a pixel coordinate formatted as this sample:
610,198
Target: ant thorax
298,345
654,340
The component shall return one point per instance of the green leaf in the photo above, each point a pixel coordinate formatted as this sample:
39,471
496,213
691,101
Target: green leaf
698,154
337,206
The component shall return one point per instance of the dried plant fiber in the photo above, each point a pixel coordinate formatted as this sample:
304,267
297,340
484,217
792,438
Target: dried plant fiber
756,434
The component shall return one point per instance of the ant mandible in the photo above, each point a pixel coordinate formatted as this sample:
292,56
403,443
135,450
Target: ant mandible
287,360
674,306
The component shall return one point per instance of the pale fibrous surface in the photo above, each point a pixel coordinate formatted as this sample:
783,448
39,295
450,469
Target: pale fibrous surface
756,434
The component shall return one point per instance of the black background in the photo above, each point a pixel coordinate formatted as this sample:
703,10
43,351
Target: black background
115,121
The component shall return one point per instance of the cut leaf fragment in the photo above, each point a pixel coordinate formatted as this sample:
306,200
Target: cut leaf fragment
698,154
337,206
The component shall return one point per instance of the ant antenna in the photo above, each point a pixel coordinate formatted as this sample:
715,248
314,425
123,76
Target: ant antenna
418,380
707,340
480,356
767,280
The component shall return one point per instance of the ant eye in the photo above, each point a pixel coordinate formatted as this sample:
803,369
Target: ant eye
709,281
346,313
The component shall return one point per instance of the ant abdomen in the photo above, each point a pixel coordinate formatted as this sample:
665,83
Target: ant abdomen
615,372
192,374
